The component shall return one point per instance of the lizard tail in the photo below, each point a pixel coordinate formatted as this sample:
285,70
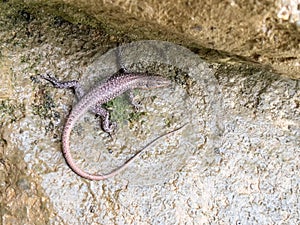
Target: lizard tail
70,161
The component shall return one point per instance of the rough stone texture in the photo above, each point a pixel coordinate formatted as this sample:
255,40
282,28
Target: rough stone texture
237,162
245,28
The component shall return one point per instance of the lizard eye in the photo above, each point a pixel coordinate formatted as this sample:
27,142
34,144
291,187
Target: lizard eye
122,70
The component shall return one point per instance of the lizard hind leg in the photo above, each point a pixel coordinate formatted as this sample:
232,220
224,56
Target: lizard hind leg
73,84
108,126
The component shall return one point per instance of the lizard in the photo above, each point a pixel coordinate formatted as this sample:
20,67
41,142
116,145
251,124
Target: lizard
116,85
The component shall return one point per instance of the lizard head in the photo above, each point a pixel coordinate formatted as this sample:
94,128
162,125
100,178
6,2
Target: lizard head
151,81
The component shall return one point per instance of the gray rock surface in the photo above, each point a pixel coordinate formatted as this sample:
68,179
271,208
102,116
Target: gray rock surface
236,162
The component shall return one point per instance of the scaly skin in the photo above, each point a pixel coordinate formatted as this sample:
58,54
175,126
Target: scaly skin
93,100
